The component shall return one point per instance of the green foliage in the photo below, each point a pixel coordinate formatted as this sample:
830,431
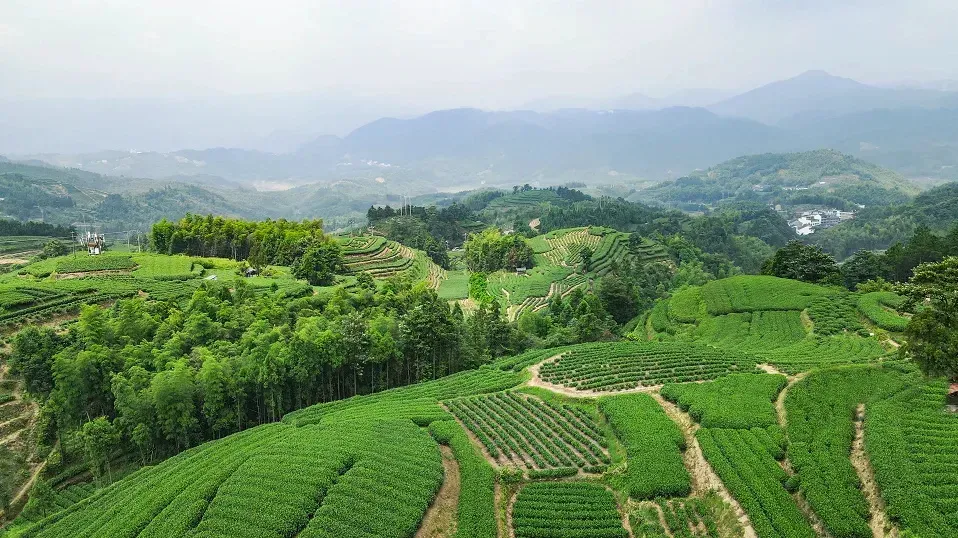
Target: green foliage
802,262
645,523
566,510
820,410
44,500
521,361
853,179
913,447
877,307
932,334
481,381
525,431
479,288
476,512
161,267
659,318
320,260
750,293
268,242
273,480
685,518
733,401
84,263
755,479
836,314
752,331
489,251
685,305
98,438
455,285
622,365
653,445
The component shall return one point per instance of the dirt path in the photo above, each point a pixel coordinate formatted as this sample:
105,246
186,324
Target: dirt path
440,518
780,401
20,498
704,477
782,417
511,504
863,467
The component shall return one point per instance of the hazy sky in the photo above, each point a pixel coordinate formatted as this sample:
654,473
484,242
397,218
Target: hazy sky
488,53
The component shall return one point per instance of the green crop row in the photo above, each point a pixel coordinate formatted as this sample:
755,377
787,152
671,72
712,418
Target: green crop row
476,512
873,306
481,381
653,445
273,480
528,431
733,401
752,331
161,267
756,480
686,305
533,356
836,314
750,293
684,518
620,365
913,447
659,317
359,246
566,510
823,351
86,263
820,411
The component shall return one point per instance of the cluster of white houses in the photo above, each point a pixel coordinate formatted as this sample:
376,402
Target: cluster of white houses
819,219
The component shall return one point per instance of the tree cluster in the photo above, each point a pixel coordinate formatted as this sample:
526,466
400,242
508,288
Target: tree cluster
167,377
275,242
490,250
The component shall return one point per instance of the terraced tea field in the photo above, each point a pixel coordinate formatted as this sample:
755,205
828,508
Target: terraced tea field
381,258
559,268
615,366
527,432
682,436
793,325
566,510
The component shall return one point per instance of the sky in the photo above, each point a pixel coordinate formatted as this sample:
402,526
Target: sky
484,53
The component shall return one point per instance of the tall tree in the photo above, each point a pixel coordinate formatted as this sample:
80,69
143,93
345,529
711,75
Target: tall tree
802,262
932,333
99,438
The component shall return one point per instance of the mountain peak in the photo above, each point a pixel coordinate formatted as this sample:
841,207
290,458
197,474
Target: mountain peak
816,73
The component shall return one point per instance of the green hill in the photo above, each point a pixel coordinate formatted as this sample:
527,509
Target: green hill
604,417
821,176
559,267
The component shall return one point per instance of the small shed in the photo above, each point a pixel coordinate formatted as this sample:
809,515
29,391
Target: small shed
951,402
250,271
520,270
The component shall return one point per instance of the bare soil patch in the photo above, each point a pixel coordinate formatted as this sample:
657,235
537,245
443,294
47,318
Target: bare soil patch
440,518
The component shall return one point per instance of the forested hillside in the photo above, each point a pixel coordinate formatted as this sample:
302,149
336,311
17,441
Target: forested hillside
824,177
522,441
597,357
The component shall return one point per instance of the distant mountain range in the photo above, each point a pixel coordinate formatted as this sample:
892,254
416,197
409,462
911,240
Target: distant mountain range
912,130
819,94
